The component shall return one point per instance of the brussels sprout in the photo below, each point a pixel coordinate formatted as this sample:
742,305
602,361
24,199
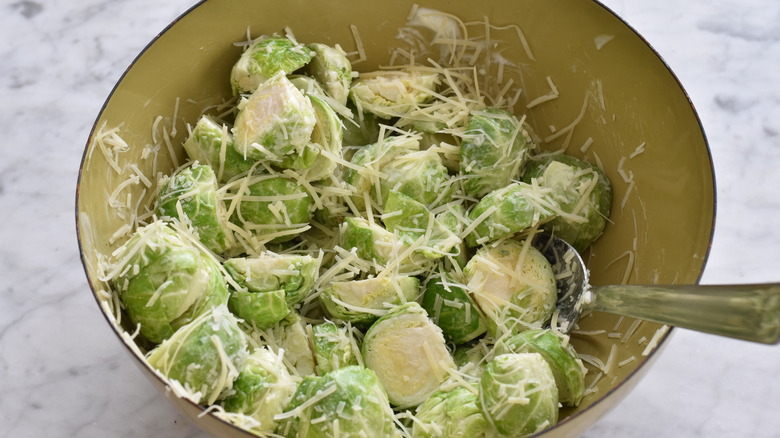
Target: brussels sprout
374,243
290,337
212,144
264,59
372,159
454,218
513,284
566,366
332,70
451,414
270,205
517,394
260,309
164,283
509,210
346,403
419,175
293,274
262,390
274,123
204,356
364,301
471,357
583,192
408,353
389,94
326,139
334,347
493,151
412,220
451,308
194,190
360,130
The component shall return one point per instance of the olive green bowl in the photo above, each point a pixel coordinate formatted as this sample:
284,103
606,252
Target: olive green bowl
632,117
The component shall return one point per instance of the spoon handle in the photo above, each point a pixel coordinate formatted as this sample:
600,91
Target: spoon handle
750,312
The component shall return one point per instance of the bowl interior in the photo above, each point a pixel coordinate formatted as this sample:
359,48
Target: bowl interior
629,113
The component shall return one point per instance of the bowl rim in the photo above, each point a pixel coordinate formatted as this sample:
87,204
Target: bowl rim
619,386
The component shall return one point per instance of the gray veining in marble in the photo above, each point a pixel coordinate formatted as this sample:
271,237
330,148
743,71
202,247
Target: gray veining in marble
63,373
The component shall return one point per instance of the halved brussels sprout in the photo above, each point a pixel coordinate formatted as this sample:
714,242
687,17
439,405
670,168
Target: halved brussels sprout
269,206
346,403
454,218
290,337
364,301
204,356
408,353
492,151
583,192
371,160
264,59
451,414
513,284
374,243
275,123
164,282
566,366
335,347
517,394
509,210
332,70
293,274
193,189
326,139
260,309
389,94
412,220
361,129
212,144
419,175
451,308
262,390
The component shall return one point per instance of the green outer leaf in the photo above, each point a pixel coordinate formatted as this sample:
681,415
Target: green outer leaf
268,272
195,188
419,175
567,193
358,402
493,151
413,222
523,376
264,59
333,347
205,144
452,310
332,70
194,355
261,309
451,414
566,366
327,136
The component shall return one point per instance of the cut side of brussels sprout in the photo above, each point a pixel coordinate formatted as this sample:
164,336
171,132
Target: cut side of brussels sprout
332,70
518,395
364,301
492,151
412,221
211,143
275,122
204,356
334,346
293,274
191,195
389,94
408,353
264,59
508,211
451,308
290,338
566,366
583,192
274,208
262,390
451,414
513,284
164,282
347,403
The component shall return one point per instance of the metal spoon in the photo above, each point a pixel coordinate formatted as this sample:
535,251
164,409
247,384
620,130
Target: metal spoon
750,312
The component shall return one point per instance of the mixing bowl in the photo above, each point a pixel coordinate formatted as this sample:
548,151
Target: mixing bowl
616,104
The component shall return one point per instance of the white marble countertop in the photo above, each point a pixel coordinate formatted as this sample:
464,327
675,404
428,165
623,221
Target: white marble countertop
62,371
